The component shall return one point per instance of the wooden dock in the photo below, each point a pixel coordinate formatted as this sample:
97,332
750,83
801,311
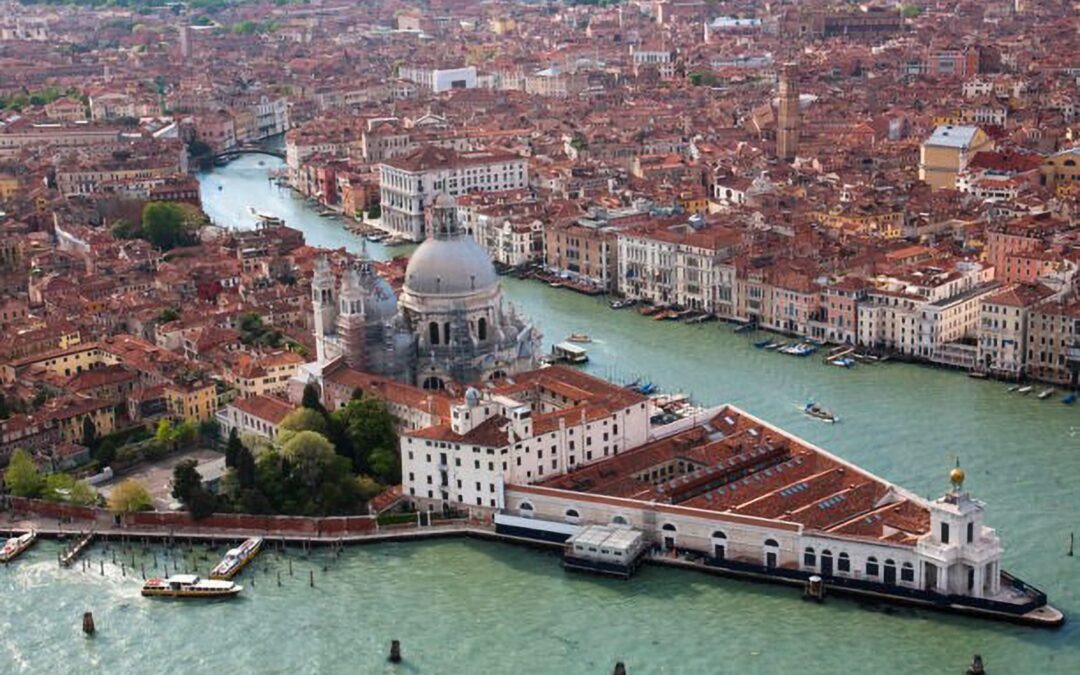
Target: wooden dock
77,547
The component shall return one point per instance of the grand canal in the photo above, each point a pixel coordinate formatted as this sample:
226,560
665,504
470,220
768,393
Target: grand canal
464,607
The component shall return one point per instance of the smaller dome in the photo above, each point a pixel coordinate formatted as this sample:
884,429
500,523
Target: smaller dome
380,303
956,477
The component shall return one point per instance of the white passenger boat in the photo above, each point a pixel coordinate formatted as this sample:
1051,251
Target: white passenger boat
16,545
1046,393
190,586
237,558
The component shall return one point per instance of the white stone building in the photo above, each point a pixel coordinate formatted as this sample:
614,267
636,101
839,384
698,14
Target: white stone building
408,184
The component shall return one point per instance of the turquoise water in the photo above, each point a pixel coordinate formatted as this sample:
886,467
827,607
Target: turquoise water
466,607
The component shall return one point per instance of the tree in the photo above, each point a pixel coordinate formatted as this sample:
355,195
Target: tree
368,487
165,434
129,497
245,468
304,419
370,430
22,476
232,448
186,433
58,487
89,431
168,314
123,229
82,494
163,225
374,212
910,11
188,488
312,398
308,453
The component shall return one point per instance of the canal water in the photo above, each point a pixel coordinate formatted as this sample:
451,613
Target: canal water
467,607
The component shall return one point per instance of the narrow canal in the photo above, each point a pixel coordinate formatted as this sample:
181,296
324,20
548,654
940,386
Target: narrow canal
462,607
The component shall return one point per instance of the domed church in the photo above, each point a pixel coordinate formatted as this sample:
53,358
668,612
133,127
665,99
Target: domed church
452,304
450,325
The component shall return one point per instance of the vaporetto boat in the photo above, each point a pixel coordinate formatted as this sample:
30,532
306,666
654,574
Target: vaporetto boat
190,586
237,558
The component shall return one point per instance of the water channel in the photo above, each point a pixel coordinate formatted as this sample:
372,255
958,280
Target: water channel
466,607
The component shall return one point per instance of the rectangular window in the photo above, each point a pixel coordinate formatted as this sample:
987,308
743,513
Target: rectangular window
944,533
907,573
970,532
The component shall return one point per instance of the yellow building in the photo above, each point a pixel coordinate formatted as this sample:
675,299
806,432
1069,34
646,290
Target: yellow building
196,401
1060,171
263,374
68,360
947,152
886,224
70,414
9,186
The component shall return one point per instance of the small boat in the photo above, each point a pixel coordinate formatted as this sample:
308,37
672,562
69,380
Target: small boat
220,187
802,349
579,337
978,375
1070,398
1013,388
622,304
236,558
843,362
816,411
704,318
745,328
776,345
14,547
764,344
375,237
1046,393
647,388
566,352
190,586
1025,390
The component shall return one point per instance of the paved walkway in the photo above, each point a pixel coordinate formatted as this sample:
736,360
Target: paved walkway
51,527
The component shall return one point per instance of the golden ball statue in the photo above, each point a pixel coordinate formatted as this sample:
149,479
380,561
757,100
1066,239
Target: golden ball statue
956,477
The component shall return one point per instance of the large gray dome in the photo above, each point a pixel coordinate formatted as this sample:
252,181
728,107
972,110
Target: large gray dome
449,266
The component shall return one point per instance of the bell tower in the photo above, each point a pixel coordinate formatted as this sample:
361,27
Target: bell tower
324,307
351,324
787,118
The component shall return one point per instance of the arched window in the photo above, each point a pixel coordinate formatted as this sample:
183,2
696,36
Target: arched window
889,572
620,521
446,333
434,384
808,557
843,563
907,573
572,516
717,534
526,510
668,527
871,567
433,333
481,329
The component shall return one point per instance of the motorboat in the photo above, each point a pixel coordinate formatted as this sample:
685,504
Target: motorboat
190,586
1046,393
814,410
1013,388
843,362
579,337
14,546
1025,390
1070,398
764,344
237,558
